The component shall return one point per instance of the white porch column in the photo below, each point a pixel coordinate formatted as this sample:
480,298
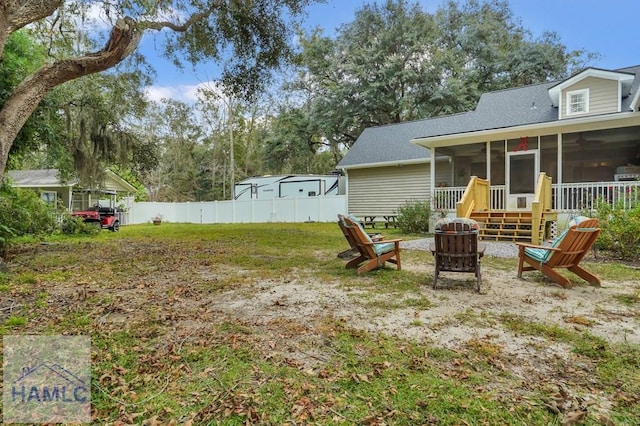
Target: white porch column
488,155
559,171
432,175
559,197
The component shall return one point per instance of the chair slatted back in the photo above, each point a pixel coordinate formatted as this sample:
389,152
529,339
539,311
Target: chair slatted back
456,248
573,247
359,238
346,232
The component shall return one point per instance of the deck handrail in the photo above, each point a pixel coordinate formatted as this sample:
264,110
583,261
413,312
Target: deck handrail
475,197
540,204
565,197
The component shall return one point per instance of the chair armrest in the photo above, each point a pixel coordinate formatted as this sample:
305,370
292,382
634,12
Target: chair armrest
388,241
525,245
396,241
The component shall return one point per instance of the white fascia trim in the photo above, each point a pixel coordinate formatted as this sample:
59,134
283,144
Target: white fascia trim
46,185
488,134
386,164
619,97
128,187
634,103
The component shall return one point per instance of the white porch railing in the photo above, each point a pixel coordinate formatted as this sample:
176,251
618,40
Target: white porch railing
123,217
566,197
584,196
445,199
497,197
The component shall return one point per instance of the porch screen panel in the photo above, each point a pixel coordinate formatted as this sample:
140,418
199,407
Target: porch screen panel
497,163
521,176
549,156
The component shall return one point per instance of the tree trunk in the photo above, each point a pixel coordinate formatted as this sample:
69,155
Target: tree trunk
18,108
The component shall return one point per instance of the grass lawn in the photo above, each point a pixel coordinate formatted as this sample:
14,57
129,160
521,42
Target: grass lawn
262,324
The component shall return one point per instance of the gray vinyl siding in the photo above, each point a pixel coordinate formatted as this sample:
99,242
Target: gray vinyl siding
603,96
380,191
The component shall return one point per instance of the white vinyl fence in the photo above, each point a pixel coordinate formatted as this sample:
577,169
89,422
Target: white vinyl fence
313,209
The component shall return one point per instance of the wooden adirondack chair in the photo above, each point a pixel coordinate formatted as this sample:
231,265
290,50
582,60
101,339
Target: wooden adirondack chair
353,247
566,252
456,248
372,254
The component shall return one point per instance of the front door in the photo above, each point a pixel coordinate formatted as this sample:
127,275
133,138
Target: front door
522,169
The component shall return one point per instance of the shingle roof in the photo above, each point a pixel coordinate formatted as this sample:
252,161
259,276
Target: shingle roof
495,110
387,144
35,178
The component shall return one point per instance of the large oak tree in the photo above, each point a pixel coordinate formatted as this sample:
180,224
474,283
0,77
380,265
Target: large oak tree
396,62
249,38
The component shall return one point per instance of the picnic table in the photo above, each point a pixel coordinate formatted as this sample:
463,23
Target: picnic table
387,220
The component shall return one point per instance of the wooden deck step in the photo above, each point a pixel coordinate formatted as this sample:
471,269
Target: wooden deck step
506,226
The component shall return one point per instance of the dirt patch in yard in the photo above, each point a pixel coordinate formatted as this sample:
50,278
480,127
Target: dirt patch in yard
455,313
181,298
191,295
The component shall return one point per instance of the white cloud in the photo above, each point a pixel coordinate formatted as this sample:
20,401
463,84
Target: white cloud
183,93
188,93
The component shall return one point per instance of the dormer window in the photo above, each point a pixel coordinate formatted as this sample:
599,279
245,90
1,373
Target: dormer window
578,102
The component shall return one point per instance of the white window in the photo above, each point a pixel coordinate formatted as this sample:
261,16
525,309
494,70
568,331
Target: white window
49,197
578,102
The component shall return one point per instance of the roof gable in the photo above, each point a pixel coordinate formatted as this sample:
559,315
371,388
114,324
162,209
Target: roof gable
625,79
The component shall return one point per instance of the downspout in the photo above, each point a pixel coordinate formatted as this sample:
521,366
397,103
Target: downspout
346,189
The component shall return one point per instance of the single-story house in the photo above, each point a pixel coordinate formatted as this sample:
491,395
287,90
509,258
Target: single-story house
583,132
70,195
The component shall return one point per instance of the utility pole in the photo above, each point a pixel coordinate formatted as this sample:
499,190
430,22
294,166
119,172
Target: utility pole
232,164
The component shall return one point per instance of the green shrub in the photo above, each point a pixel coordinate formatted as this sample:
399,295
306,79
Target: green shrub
74,225
22,212
414,216
620,230
6,234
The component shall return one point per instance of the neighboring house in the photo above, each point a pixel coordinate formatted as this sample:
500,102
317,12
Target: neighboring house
288,186
69,194
583,132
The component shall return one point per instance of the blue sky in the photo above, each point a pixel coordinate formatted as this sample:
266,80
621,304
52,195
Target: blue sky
603,26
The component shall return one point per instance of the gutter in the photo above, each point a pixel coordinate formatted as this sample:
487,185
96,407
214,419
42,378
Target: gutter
565,125
396,163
